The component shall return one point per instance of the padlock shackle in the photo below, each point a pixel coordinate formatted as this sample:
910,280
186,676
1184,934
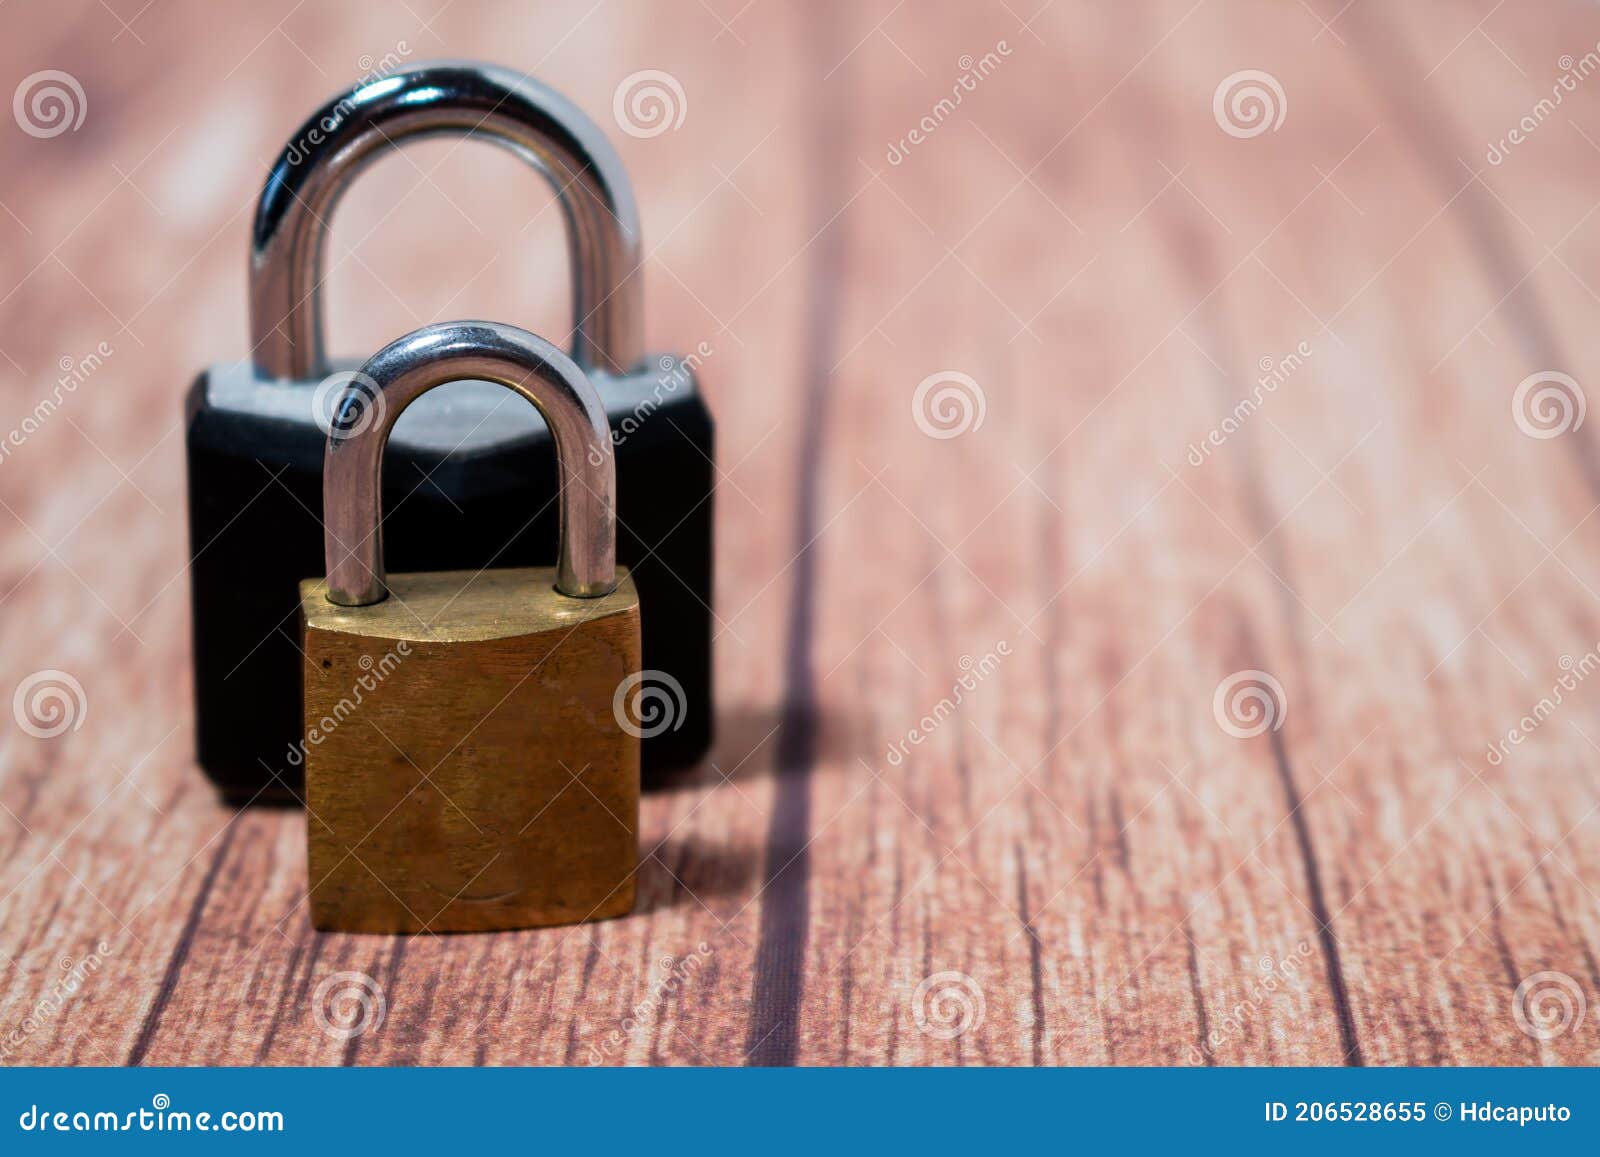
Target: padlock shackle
404,370
498,104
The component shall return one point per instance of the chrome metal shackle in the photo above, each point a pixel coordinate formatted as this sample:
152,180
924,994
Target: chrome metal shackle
404,370
449,97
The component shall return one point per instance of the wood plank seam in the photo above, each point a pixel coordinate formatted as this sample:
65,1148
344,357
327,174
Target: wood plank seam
780,954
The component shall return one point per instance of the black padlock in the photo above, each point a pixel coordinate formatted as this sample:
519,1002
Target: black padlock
467,479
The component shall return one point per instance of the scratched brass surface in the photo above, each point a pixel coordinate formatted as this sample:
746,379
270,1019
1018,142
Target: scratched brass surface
465,770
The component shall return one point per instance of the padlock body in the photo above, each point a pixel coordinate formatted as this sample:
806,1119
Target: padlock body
466,770
469,482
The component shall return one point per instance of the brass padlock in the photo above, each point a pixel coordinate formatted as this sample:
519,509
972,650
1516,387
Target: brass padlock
465,767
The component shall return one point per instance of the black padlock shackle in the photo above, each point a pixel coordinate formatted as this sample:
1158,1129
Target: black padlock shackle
449,97
404,370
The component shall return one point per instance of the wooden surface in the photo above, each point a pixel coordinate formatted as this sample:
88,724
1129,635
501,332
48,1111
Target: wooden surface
1120,878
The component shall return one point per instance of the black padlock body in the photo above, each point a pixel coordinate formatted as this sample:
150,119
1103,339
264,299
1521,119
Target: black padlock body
459,493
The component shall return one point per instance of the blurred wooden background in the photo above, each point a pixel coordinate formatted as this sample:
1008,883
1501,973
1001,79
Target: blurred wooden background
1081,865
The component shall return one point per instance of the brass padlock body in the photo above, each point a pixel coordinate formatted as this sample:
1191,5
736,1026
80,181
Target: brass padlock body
465,769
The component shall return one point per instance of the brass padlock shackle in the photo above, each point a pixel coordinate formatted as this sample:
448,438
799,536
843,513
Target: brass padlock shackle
354,129
404,370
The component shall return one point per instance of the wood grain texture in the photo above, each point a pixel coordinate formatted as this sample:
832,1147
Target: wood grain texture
1242,414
